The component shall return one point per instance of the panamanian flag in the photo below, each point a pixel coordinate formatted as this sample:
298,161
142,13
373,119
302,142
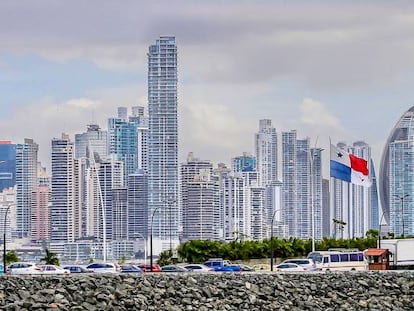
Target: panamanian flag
347,167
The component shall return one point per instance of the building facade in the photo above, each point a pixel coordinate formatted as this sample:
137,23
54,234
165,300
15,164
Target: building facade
62,210
7,164
163,142
26,182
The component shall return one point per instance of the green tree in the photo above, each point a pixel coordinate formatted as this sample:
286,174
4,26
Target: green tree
372,233
11,256
165,258
50,258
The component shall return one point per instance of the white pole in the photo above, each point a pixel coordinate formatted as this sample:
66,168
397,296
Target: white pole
102,207
312,201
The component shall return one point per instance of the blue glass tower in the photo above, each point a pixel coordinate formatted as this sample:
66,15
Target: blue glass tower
7,165
397,176
123,143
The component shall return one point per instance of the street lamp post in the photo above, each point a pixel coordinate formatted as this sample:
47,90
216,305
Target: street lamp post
401,198
169,205
4,236
272,249
379,231
152,222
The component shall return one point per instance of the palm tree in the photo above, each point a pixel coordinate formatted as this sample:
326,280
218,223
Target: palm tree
50,258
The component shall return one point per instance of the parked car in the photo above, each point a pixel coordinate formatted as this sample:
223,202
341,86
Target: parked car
245,268
147,267
307,263
221,265
198,268
173,268
103,267
77,269
23,268
289,267
129,268
261,267
52,269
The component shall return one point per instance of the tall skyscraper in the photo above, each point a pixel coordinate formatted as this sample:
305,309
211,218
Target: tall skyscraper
266,153
397,176
302,187
289,188
163,142
351,205
26,181
62,211
7,164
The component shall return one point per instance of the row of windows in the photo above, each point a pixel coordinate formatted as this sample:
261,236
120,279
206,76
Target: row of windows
344,257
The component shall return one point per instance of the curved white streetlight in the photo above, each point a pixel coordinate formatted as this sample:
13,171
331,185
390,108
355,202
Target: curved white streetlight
4,235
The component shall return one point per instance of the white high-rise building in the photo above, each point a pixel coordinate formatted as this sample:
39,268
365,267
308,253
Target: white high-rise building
111,176
26,182
302,187
266,153
62,211
351,205
201,206
163,142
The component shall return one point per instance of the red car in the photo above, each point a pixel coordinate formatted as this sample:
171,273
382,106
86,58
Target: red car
147,267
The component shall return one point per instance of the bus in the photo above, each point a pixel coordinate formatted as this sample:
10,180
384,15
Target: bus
339,260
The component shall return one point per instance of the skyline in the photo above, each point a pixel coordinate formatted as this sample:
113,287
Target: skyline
327,69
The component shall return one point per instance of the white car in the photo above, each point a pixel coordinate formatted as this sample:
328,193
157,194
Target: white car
52,269
306,263
24,268
198,268
104,267
289,267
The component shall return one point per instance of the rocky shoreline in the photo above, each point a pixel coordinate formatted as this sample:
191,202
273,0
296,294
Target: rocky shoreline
212,291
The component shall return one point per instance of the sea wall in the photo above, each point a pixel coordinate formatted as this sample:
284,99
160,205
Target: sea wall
212,291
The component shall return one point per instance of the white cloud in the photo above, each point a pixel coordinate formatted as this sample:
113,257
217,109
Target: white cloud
313,113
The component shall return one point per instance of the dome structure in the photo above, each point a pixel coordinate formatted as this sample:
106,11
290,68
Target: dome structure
397,176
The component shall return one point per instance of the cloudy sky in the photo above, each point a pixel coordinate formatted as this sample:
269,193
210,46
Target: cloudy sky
329,69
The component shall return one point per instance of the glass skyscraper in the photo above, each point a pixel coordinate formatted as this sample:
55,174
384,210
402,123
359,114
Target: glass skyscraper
123,141
93,140
26,182
397,177
7,164
163,142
